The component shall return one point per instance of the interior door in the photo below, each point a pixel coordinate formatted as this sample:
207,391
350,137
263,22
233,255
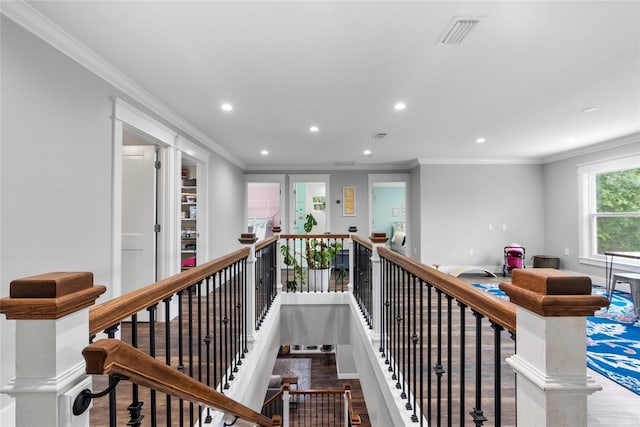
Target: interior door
139,197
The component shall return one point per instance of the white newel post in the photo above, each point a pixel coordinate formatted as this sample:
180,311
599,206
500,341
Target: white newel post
550,361
377,240
285,405
276,232
352,231
52,327
250,239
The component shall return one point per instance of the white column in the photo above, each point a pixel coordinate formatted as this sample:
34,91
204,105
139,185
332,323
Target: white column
550,361
250,328
285,406
52,329
376,288
276,232
553,384
350,265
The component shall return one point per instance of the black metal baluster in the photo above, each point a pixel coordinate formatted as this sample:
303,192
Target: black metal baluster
398,353
463,361
152,352
419,339
113,419
438,369
207,341
476,414
369,282
216,337
167,351
392,319
259,284
245,307
181,350
190,291
135,409
200,341
225,321
394,324
384,310
388,318
429,344
232,321
405,336
449,362
497,367
414,341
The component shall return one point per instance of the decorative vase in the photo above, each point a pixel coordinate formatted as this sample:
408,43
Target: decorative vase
319,280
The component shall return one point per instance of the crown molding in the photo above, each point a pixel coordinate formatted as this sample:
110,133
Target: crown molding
42,27
594,148
448,161
395,167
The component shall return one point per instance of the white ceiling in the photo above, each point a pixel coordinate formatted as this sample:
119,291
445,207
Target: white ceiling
521,79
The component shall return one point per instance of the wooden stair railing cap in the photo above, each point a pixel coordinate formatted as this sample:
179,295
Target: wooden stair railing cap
552,293
378,237
50,295
247,238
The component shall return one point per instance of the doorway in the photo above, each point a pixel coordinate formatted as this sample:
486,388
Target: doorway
389,210
310,195
263,208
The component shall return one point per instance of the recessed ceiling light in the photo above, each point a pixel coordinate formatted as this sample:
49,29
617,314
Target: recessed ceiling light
264,152
367,152
227,107
480,140
314,129
400,106
590,109
571,140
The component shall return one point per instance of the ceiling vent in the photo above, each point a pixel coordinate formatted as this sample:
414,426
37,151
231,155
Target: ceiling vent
379,135
458,29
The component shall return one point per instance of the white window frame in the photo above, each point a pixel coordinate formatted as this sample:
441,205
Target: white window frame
587,206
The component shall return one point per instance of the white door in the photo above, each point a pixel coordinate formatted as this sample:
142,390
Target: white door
138,217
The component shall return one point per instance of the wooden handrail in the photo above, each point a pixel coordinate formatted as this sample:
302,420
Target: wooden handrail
364,242
318,391
266,242
272,399
497,309
314,236
120,308
114,357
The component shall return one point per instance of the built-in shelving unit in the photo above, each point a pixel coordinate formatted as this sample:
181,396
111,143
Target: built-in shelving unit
188,218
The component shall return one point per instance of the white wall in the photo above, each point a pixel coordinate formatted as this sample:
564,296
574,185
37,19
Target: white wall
561,204
226,206
459,202
415,206
56,171
56,175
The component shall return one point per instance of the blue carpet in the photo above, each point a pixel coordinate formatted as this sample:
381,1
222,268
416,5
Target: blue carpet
613,338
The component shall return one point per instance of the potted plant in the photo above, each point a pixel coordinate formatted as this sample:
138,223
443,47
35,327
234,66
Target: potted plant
314,261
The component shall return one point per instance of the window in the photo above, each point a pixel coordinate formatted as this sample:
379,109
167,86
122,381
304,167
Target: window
610,206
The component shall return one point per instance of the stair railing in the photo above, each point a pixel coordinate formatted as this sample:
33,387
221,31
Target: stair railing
120,360
314,262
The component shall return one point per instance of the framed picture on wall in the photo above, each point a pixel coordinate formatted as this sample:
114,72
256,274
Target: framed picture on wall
348,201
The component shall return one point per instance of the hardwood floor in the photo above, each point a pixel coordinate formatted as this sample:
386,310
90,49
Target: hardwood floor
325,376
